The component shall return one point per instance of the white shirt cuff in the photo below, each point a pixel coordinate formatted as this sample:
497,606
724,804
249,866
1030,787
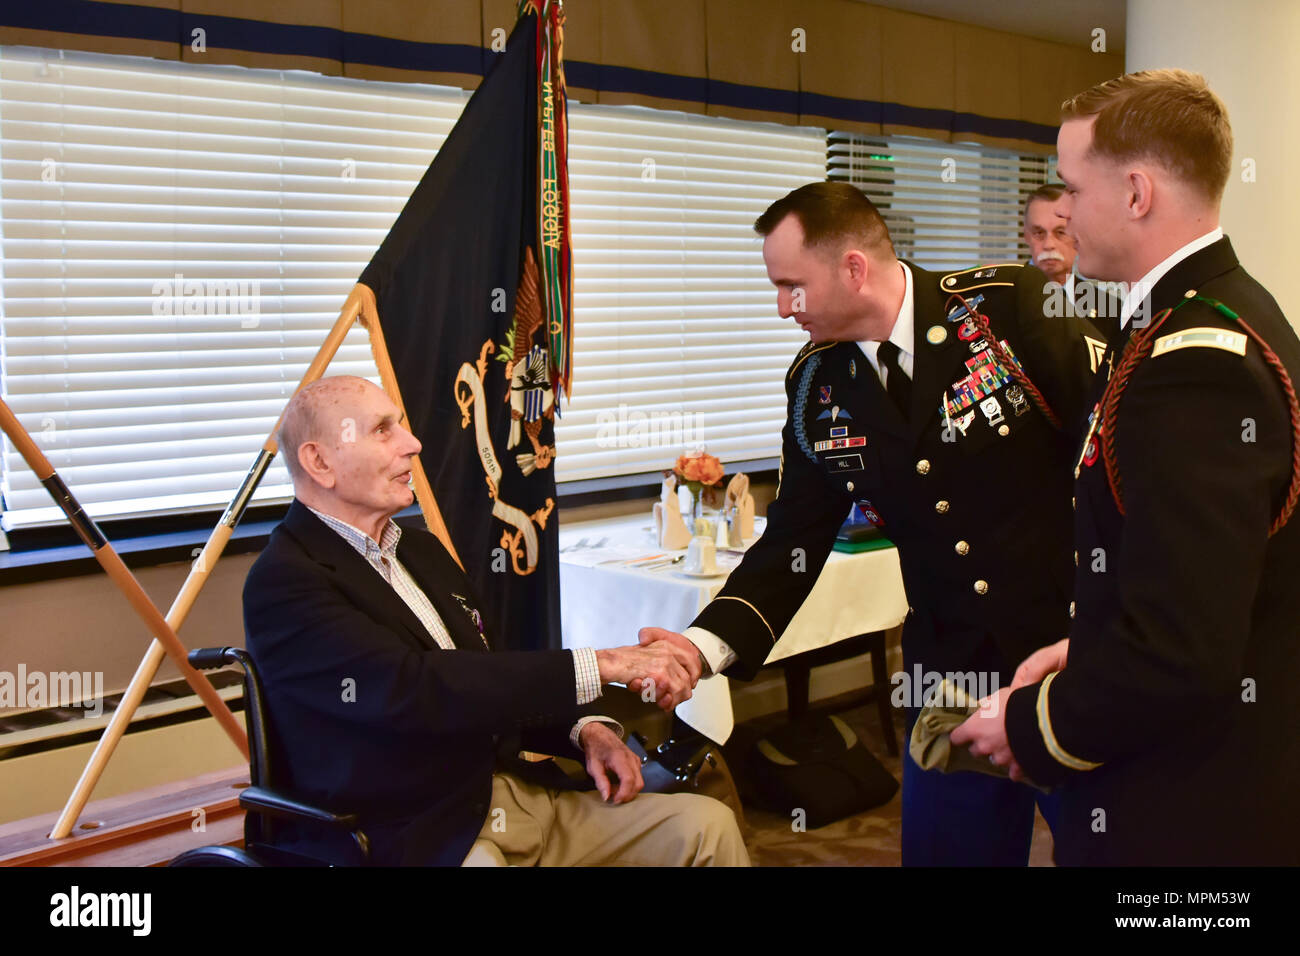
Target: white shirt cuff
717,653
586,674
609,722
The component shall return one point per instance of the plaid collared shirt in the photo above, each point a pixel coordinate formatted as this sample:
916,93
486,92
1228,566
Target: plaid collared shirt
383,558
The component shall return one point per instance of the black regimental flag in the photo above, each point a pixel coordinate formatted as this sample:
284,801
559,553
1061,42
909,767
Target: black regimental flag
465,317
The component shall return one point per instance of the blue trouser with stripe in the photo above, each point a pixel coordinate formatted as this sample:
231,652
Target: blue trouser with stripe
964,819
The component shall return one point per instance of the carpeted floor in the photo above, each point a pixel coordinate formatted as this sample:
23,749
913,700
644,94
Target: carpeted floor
867,839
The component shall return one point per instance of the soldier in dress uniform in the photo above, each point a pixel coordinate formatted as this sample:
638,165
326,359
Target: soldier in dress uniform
946,409
1168,718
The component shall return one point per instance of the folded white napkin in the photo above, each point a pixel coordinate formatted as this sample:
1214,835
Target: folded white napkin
670,529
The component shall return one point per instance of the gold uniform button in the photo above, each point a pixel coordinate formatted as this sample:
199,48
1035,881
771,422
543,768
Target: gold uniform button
1076,559
981,587
923,467
962,548
848,486
1004,430
941,507
1071,609
1072,501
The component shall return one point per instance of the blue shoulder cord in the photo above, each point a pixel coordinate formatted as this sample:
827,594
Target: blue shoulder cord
801,402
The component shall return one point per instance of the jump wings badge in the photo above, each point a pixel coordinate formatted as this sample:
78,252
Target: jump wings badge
532,402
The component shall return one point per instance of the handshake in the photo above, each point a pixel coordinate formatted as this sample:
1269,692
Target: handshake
664,668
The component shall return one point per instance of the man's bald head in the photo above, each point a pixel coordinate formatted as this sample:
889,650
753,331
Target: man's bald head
315,413
350,453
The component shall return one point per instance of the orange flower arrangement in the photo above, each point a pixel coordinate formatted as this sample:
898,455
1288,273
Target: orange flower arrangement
699,468
701,474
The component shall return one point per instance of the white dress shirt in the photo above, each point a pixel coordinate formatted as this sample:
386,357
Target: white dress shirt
903,335
1142,288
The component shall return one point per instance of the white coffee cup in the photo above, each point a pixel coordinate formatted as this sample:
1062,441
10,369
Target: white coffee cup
701,556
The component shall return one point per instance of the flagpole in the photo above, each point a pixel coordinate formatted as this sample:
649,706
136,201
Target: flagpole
369,317
126,582
189,591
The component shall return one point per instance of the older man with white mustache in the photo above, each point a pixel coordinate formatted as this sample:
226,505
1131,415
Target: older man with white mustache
1050,247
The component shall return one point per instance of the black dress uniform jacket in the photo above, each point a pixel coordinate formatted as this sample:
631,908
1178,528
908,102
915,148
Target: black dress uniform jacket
978,503
413,748
1175,725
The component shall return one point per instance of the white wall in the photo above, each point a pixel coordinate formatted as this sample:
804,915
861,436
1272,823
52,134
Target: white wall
1246,50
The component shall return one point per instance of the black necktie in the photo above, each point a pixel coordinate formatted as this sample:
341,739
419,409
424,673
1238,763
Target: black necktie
897,384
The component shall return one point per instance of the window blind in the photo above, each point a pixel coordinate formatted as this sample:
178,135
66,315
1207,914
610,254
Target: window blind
676,338
177,240
947,205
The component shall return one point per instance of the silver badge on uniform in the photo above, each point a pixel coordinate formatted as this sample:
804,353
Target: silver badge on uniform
992,410
1019,401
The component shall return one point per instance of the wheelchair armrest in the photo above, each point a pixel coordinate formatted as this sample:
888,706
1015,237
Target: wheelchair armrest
266,801
260,800
210,658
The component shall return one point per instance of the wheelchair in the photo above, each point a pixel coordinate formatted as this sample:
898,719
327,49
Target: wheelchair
263,800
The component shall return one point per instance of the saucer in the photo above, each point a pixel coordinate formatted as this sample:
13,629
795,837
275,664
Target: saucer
702,574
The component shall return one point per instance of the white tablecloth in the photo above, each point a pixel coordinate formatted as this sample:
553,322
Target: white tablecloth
604,602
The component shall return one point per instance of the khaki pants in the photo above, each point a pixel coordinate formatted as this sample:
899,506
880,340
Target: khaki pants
529,825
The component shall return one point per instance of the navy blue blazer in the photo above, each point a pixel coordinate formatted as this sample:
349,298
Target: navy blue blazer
369,714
